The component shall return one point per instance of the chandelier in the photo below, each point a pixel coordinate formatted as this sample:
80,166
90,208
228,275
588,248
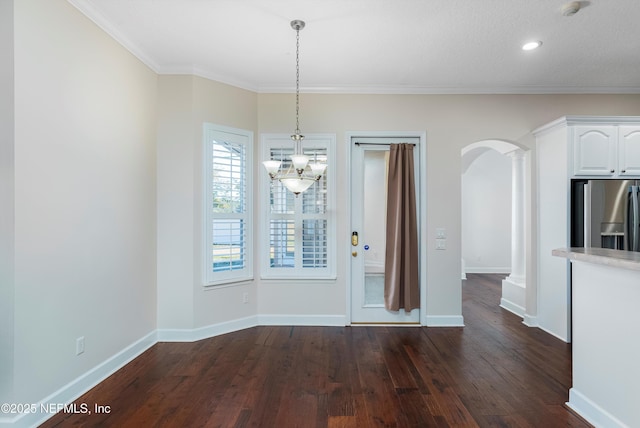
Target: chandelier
301,174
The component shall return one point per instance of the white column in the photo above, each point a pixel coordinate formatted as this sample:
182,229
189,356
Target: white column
517,217
514,286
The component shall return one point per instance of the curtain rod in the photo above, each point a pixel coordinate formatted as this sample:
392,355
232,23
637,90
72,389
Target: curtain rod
357,143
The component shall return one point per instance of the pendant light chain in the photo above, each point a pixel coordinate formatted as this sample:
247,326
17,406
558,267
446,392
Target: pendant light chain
297,80
300,173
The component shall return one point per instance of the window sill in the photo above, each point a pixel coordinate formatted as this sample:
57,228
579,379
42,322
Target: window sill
228,283
289,279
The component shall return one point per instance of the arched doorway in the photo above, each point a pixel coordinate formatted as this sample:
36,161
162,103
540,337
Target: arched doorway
518,291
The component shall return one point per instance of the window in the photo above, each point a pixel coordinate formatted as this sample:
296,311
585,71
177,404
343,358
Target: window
228,236
299,238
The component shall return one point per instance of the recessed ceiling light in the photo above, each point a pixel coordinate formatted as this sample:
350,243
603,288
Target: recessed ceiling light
571,8
531,46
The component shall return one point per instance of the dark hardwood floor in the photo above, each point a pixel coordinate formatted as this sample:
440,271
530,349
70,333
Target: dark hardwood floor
495,372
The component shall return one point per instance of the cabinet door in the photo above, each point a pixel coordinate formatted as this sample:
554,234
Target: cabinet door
594,150
629,150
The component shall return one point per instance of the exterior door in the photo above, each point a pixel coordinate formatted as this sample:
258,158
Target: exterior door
369,165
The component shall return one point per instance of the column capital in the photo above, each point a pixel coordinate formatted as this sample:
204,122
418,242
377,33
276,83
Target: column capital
516,154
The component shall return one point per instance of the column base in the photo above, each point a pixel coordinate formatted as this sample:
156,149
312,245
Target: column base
530,320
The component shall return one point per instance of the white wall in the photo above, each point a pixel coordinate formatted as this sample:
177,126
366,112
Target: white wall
6,200
175,217
451,123
553,219
85,118
184,104
486,214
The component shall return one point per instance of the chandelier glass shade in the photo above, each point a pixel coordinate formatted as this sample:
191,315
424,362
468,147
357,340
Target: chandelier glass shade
301,174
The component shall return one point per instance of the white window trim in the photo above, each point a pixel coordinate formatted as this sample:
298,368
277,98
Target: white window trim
238,136
269,141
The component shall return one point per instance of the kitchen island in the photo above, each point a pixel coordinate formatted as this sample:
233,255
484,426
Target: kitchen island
605,302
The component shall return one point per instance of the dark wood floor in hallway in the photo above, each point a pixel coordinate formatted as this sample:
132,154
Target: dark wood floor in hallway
495,372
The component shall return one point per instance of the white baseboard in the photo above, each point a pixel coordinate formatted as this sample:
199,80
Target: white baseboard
593,413
552,333
482,269
444,321
316,320
192,335
200,333
512,307
76,388
530,320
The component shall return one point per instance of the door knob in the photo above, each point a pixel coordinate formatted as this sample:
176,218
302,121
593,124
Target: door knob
354,254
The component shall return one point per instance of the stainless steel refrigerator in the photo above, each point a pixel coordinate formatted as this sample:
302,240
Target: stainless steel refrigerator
605,214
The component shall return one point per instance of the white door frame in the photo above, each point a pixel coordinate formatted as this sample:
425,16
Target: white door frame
422,219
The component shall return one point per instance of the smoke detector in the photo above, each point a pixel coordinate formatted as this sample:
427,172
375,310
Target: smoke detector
571,8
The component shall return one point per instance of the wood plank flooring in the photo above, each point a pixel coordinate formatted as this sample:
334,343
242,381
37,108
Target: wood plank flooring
495,372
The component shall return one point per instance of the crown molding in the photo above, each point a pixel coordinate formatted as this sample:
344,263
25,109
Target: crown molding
92,13
103,23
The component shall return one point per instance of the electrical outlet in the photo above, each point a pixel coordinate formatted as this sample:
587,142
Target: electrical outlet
441,232
245,297
80,345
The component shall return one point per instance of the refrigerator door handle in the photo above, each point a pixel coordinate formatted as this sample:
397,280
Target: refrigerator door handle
587,214
635,220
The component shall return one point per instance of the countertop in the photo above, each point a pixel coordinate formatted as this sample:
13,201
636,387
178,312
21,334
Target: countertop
601,256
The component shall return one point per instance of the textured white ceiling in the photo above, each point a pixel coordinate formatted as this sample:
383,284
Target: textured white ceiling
385,46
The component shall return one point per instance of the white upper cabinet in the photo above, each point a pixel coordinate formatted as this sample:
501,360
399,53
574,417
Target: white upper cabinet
629,150
606,150
594,150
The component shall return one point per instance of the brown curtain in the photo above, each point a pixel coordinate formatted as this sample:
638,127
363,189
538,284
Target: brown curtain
401,289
